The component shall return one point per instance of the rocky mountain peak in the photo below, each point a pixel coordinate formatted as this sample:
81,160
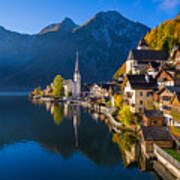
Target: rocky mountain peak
66,25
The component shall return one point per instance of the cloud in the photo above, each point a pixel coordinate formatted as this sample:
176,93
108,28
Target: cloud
168,4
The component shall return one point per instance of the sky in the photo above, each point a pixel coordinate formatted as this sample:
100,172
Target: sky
30,16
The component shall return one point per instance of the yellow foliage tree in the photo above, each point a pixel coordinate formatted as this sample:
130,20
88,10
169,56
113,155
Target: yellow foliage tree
126,116
118,100
165,36
58,87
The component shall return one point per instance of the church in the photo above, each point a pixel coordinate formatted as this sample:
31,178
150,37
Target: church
74,86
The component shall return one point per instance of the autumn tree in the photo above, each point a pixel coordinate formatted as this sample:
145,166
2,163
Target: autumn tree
126,116
58,87
165,36
118,100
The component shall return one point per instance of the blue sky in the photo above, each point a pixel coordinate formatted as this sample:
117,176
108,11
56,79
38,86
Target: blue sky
30,16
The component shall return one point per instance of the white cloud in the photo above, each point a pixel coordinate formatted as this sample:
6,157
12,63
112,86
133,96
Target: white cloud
168,4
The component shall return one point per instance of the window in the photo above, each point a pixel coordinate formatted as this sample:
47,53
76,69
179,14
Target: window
148,94
141,102
141,93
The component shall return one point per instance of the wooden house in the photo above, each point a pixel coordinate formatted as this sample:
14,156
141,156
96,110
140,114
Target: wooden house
169,77
175,54
165,98
155,135
153,118
175,110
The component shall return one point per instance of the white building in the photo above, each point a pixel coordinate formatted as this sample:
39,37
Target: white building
68,87
139,58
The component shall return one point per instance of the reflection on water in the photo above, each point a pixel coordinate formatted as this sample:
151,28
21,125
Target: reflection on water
58,141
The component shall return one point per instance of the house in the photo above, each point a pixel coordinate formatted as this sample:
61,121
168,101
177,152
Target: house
95,90
165,96
153,118
153,69
168,77
102,90
136,89
155,135
138,59
68,87
175,110
175,53
49,89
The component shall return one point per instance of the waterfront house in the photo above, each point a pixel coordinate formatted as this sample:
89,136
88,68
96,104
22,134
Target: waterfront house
153,118
136,89
155,135
103,90
49,90
138,59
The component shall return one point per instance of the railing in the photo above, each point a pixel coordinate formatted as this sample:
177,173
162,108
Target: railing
166,156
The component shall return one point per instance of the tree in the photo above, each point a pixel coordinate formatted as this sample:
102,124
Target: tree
126,116
58,87
38,91
120,71
58,114
118,100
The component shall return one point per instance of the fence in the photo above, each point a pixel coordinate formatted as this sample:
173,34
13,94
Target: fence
166,156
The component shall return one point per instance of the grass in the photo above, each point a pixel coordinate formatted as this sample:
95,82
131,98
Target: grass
173,153
175,115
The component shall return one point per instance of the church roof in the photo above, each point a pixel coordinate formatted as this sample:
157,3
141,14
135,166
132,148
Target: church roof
147,55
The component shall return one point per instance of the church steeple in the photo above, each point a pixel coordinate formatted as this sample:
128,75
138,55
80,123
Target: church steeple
77,78
77,62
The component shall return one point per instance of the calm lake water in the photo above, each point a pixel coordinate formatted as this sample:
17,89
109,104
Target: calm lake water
57,142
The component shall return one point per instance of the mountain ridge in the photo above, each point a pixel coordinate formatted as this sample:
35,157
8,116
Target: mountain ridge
103,43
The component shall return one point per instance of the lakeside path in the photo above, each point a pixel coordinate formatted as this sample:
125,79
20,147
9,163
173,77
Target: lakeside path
107,111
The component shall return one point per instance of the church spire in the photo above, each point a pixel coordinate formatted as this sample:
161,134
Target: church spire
77,62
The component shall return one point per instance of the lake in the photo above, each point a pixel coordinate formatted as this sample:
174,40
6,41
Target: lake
52,142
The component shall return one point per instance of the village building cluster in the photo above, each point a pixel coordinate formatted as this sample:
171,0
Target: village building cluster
149,87
154,77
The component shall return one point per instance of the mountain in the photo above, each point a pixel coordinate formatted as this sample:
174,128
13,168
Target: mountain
66,25
165,36
103,43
